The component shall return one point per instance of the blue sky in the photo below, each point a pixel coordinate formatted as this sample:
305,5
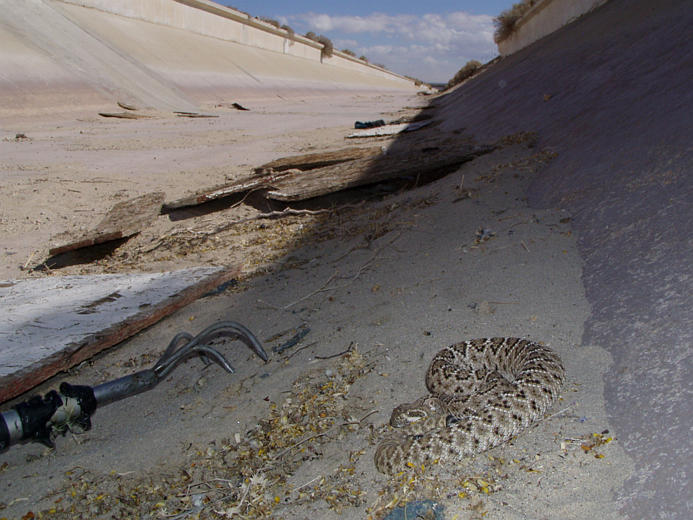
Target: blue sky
427,40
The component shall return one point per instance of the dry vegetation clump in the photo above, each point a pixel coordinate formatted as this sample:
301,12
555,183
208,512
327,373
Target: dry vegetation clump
349,52
246,475
416,81
469,69
289,30
327,46
506,21
276,24
239,10
270,21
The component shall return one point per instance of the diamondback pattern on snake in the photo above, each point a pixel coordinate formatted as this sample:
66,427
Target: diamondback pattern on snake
482,393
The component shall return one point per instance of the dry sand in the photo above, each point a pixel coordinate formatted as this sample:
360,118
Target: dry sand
66,174
382,287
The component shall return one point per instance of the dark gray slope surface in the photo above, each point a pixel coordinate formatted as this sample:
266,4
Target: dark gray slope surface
613,94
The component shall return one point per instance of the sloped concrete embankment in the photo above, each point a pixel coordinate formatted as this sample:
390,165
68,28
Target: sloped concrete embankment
545,17
58,55
611,94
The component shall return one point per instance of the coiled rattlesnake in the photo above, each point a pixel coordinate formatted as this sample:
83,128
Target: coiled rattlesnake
482,392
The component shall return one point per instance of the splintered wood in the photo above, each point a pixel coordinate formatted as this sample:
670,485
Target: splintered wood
307,176
405,162
318,160
51,324
267,175
123,220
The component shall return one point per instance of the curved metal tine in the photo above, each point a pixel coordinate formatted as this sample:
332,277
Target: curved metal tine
172,346
226,327
171,357
208,352
210,355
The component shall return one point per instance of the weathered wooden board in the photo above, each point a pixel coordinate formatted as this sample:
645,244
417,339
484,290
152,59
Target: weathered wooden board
389,129
415,160
126,106
48,325
194,114
318,160
253,182
123,220
268,174
124,115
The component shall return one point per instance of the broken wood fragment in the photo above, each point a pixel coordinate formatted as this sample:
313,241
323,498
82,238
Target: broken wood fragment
408,161
123,220
126,106
318,160
55,323
124,115
251,183
193,114
390,129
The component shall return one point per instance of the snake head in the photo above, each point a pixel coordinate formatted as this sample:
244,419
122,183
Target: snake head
423,409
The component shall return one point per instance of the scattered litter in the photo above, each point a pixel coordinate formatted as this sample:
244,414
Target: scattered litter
21,137
482,307
427,509
362,125
237,106
483,235
594,441
303,330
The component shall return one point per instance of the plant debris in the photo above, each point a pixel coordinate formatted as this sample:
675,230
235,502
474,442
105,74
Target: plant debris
245,476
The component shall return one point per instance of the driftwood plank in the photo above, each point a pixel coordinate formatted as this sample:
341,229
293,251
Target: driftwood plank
126,106
51,324
253,182
318,160
267,175
123,220
390,129
124,115
193,114
409,161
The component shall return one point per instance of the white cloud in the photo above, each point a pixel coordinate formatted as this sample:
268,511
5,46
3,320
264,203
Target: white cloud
431,47
431,27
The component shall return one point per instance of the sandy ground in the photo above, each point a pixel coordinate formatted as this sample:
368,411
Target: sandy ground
66,174
382,286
